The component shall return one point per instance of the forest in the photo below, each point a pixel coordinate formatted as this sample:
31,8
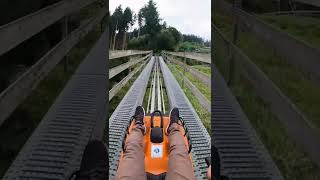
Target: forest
152,32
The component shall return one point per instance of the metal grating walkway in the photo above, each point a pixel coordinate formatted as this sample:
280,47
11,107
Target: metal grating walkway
121,116
201,141
243,156
55,148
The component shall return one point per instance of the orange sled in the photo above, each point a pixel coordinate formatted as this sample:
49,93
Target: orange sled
156,144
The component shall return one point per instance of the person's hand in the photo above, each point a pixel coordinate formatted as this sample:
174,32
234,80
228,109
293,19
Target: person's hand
209,173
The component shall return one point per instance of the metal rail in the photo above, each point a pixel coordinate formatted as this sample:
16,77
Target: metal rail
159,105
121,116
150,94
162,97
153,93
201,141
55,148
243,156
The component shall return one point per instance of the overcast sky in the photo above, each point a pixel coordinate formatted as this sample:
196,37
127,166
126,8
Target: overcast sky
188,16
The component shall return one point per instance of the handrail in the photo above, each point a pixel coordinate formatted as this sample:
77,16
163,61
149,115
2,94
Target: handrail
299,128
298,12
205,79
204,102
125,53
206,58
297,52
15,32
118,69
116,88
13,95
310,2
55,148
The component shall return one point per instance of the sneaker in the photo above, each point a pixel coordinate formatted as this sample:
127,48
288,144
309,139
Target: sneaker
174,117
94,163
138,118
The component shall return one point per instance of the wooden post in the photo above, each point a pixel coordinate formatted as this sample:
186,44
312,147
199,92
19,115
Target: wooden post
110,37
236,6
101,26
131,59
124,40
65,34
115,35
184,68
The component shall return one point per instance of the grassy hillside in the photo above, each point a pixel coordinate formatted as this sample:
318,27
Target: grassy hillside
293,163
303,28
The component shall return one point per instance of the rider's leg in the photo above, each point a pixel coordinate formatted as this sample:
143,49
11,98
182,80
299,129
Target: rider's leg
180,165
132,164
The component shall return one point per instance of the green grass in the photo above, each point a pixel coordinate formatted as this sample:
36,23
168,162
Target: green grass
20,125
204,115
204,69
302,91
303,28
290,159
201,86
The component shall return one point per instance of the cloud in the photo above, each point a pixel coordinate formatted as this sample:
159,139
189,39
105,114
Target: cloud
188,16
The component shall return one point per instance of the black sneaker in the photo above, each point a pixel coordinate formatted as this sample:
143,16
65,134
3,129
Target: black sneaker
139,115
174,117
138,118
94,163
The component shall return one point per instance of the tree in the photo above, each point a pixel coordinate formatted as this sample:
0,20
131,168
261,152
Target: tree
128,19
148,18
114,24
121,21
188,46
207,43
192,38
152,34
176,34
165,41
140,16
139,43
